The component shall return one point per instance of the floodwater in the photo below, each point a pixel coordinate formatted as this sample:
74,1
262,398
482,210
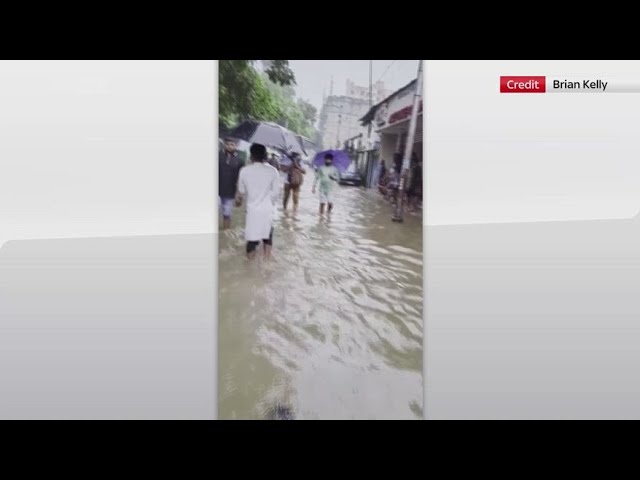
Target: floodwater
331,327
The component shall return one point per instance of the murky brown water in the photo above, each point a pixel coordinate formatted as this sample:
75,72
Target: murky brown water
332,327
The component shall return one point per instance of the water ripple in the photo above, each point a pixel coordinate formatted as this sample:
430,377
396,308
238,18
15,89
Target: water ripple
332,326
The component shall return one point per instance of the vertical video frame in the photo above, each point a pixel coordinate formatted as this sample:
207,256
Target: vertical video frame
320,261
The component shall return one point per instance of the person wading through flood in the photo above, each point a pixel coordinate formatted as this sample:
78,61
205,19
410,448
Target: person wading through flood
294,181
394,178
229,165
284,164
326,177
382,173
259,183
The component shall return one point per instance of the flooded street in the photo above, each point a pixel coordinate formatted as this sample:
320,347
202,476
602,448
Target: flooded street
331,327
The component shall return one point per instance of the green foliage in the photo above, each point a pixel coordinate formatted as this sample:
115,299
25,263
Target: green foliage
297,115
280,73
245,94
242,93
309,111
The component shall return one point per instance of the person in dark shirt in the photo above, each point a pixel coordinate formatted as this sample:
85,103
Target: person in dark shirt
397,163
229,165
382,173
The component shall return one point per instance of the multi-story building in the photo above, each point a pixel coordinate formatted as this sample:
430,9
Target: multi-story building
391,118
340,114
339,120
378,91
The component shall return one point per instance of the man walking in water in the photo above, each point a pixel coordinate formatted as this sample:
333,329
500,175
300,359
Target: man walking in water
326,175
259,182
229,165
294,182
284,166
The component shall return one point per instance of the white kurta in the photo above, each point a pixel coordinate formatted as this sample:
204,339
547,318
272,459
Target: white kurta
259,184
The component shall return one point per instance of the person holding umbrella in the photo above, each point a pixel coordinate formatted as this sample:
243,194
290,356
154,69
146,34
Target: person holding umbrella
293,182
326,177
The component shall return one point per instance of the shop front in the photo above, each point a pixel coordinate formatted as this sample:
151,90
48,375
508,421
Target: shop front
390,119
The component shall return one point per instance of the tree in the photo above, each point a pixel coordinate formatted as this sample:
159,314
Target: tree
309,112
297,115
244,93
280,73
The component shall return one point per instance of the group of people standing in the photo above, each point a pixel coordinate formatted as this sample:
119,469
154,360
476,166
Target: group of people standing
259,185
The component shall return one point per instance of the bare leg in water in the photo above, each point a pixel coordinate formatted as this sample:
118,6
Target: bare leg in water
267,244
322,209
296,199
251,251
285,198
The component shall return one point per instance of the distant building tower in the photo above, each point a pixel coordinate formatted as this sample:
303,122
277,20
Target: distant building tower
378,91
340,115
339,120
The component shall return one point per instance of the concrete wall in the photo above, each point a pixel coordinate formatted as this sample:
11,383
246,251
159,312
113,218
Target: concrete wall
387,148
351,110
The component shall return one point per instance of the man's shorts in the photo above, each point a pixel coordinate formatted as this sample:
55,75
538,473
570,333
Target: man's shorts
226,206
325,197
251,246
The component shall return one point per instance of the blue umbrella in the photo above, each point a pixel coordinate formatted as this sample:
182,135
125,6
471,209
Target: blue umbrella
341,159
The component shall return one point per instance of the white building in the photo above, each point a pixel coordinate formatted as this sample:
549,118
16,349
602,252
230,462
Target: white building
340,120
390,119
378,91
340,115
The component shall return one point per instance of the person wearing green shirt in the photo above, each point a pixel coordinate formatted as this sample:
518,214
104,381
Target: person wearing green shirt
326,177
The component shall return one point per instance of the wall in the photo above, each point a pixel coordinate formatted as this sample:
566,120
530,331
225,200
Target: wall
351,110
387,147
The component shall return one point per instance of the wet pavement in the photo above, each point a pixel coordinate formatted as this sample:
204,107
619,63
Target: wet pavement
331,327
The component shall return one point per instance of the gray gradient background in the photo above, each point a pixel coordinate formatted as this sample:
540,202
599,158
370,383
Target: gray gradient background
107,272
532,245
107,244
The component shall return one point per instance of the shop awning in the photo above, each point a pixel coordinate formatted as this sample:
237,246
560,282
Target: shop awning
371,114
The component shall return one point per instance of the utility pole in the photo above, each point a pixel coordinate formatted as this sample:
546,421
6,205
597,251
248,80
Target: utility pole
370,95
398,215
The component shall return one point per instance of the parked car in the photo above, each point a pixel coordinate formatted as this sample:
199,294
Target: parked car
351,177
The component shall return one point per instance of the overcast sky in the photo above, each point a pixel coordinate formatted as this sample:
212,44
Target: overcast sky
314,76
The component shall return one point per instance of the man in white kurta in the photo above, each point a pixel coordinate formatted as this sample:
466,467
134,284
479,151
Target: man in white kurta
259,184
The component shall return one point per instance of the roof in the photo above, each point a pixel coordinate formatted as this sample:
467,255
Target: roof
368,118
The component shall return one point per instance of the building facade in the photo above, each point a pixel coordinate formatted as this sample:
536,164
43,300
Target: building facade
340,120
390,119
378,91
340,115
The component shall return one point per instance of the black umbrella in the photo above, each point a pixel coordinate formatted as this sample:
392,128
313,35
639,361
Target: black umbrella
268,134
307,145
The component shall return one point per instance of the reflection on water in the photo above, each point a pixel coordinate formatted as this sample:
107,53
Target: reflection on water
331,328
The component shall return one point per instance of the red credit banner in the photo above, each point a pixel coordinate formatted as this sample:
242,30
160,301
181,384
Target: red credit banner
530,84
